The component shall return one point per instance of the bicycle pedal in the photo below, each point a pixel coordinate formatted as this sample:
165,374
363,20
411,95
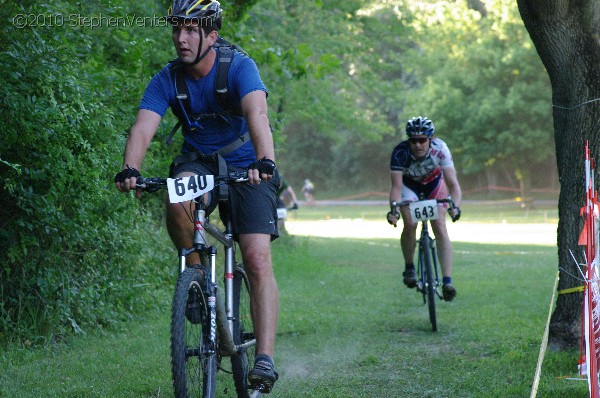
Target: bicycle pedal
262,387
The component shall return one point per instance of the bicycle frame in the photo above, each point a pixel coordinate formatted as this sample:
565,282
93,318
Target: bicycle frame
221,314
221,327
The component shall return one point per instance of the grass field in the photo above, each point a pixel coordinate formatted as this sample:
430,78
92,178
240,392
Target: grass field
484,211
348,328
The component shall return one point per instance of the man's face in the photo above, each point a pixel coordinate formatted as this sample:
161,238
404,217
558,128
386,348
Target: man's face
419,145
186,38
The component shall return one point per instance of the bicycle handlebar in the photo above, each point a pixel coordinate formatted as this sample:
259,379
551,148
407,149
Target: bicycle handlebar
396,205
153,184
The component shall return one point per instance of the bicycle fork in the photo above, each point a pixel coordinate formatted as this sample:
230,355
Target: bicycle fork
210,289
422,281
210,252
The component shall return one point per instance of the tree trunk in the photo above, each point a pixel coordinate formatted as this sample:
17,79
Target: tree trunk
492,180
524,178
565,34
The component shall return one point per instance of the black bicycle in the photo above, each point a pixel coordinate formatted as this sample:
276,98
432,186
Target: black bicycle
208,324
428,281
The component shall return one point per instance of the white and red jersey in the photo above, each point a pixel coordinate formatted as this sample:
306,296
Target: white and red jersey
424,170
422,177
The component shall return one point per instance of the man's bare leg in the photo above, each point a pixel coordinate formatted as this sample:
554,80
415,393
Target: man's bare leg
256,253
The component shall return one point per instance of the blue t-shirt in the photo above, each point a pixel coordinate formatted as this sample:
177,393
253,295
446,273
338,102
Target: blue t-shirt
215,133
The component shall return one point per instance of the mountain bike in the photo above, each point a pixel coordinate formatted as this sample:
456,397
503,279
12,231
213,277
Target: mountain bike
208,324
428,281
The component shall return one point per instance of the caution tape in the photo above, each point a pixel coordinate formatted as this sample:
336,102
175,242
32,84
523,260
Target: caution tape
576,289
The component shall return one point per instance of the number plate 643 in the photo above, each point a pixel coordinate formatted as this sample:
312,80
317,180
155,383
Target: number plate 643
424,210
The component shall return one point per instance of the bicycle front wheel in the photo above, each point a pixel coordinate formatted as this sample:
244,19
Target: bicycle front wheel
430,279
193,359
242,333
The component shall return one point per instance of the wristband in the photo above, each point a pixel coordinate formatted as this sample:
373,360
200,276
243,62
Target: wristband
394,208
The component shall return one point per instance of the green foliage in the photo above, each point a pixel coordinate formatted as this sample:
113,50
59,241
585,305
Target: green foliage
319,108
470,66
483,84
69,242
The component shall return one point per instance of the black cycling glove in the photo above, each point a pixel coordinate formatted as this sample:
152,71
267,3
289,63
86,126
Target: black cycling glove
124,174
388,217
457,215
394,211
264,166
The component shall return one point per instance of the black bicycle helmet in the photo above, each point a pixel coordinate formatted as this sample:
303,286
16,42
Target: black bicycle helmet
420,126
203,12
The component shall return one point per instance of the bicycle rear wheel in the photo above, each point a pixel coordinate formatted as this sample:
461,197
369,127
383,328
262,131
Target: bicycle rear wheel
242,333
430,280
193,360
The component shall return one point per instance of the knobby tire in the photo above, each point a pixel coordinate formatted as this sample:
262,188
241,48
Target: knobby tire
242,332
430,279
194,368
422,273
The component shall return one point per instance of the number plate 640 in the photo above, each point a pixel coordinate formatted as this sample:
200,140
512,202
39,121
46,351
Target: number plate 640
424,210
187,188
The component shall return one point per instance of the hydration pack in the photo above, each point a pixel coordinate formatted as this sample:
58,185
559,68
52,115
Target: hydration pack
225,52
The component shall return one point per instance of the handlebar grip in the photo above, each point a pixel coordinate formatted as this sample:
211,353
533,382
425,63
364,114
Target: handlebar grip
141,182
150,184
238,175
458,213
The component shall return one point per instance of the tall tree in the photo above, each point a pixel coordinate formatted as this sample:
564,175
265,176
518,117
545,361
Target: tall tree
565,34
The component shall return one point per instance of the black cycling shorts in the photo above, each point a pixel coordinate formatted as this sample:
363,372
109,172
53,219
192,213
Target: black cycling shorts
253,207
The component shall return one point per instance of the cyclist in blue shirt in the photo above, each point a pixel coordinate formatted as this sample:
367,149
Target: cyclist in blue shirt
243,139
423,165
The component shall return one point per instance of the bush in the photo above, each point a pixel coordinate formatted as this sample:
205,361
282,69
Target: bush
70,244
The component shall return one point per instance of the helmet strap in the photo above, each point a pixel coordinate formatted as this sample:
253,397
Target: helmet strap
200,57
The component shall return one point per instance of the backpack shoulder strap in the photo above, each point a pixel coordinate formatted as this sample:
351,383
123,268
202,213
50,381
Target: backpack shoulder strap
221,89
182,96
181,89
225,51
